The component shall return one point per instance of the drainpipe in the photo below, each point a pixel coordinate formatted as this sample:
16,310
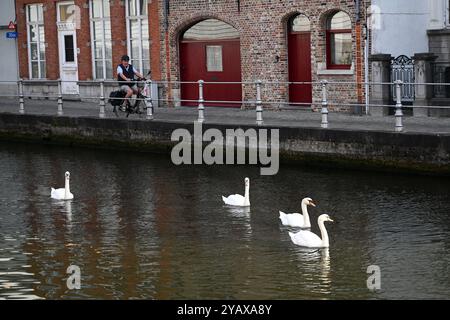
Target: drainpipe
16,41
166,14
359,57
166,30
366,67
367,36
357,9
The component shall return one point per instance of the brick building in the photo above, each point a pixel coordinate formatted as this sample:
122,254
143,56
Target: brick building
265,29
83,40
185,40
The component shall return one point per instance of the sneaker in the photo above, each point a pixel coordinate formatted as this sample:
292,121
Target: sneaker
122,108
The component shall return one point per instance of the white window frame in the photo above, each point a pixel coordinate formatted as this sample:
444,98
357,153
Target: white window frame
36,25
91,24
138,18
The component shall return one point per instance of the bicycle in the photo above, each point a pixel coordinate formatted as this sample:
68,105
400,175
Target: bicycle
117,99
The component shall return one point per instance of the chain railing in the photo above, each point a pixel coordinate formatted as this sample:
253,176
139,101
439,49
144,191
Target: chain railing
256,86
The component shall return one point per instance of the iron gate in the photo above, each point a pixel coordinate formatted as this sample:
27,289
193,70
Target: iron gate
402,68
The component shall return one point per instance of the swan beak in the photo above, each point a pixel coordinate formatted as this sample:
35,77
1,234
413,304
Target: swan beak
312,203
331,220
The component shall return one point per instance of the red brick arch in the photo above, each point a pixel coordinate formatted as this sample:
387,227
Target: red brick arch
178,30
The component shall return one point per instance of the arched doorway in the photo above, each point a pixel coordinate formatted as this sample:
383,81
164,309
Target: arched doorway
210,51
299,46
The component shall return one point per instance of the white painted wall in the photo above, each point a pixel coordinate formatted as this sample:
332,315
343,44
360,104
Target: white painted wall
438,14
8,47
401,28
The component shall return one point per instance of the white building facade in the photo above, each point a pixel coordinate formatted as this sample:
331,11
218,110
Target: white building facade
419,30
404,27
8,49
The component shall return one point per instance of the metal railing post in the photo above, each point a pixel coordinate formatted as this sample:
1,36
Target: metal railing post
201,101
149,101
324,110
60,99
21,98
259,107
102,99
398,107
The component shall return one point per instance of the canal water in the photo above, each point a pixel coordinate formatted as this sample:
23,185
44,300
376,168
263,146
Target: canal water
142,228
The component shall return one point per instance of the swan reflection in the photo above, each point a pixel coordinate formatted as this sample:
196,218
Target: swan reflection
241,215
315,266
65,207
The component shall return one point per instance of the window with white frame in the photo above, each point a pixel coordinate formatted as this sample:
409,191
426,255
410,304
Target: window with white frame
36,41
101,39
138,35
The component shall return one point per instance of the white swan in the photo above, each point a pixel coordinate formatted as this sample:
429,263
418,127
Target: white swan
296,219
238,200
63,193
308,239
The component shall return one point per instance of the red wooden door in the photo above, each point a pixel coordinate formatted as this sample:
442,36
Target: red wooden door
226,68
299,44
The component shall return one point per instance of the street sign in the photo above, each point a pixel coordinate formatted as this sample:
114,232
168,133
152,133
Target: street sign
11,26
11,35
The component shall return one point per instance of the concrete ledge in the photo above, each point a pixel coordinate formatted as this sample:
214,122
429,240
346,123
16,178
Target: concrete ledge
379,150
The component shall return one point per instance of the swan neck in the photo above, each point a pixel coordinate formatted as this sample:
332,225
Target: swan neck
67,188
247,195
324,233
306,215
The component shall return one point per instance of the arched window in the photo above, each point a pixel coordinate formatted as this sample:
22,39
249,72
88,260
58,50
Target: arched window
339,41
210,29
300,23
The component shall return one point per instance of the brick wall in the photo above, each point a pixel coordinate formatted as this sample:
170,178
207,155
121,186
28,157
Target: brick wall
51,40
118,31
155,41
263,29
84,42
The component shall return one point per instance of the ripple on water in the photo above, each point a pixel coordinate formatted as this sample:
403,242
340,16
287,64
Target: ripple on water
161,232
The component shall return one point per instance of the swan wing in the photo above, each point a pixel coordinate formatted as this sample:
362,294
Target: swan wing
234,200
306,238
58,194
292,219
